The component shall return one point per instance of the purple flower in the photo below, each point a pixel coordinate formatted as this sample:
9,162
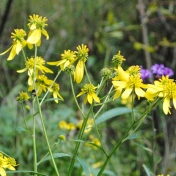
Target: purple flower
161,70
145,73
168,71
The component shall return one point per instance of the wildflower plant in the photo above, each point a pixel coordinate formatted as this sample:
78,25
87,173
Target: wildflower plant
124,83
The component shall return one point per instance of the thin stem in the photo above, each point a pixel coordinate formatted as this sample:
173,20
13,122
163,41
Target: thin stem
74,96
46,137
125,136
87,74
80,135
33,137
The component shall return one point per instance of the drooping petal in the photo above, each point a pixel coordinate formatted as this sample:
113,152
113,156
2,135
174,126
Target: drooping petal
34,37
44,32
18,47
139,92
126,93
12,53
96,98
81,93
2,172
117,93
79,71
166,105
6,51
53,63
174,102
22,70
89,98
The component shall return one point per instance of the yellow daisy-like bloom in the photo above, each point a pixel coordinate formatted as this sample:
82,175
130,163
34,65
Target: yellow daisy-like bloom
40,62
6,162
82,55
89,90
67,58
18,43
55,89
23,96
129,81
37,24
42,83
164,88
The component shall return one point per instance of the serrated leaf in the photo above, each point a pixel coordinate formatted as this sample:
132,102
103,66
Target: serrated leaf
84,166
112,113
55,155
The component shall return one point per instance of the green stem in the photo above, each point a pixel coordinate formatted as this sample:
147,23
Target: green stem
46,137
80,135
87,74
74,96
33,137
125,136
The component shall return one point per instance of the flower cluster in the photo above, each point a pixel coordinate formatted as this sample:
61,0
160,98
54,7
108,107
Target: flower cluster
6,163
69,57
158,70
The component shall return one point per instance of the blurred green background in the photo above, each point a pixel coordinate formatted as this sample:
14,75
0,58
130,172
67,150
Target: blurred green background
145,33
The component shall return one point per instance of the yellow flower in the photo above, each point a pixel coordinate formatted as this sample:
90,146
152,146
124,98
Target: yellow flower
68,126
164,88
42,83
67,58
82,55
37,24
18,43
89,90
131,81
23,96
55,89
6,162
40,62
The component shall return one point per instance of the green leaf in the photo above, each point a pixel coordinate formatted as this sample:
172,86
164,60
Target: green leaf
112,113
23,171
147,170
21,129
55,155
84,166
132,136
76,140
96,146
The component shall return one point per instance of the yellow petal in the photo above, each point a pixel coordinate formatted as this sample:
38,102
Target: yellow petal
53,63
117,93
79,72
96,98
139,92
174,102
12,53
2,172
89,98
126,93
44,32
166,106
22,70
43,68
81,93
6,51
18,47
34,37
